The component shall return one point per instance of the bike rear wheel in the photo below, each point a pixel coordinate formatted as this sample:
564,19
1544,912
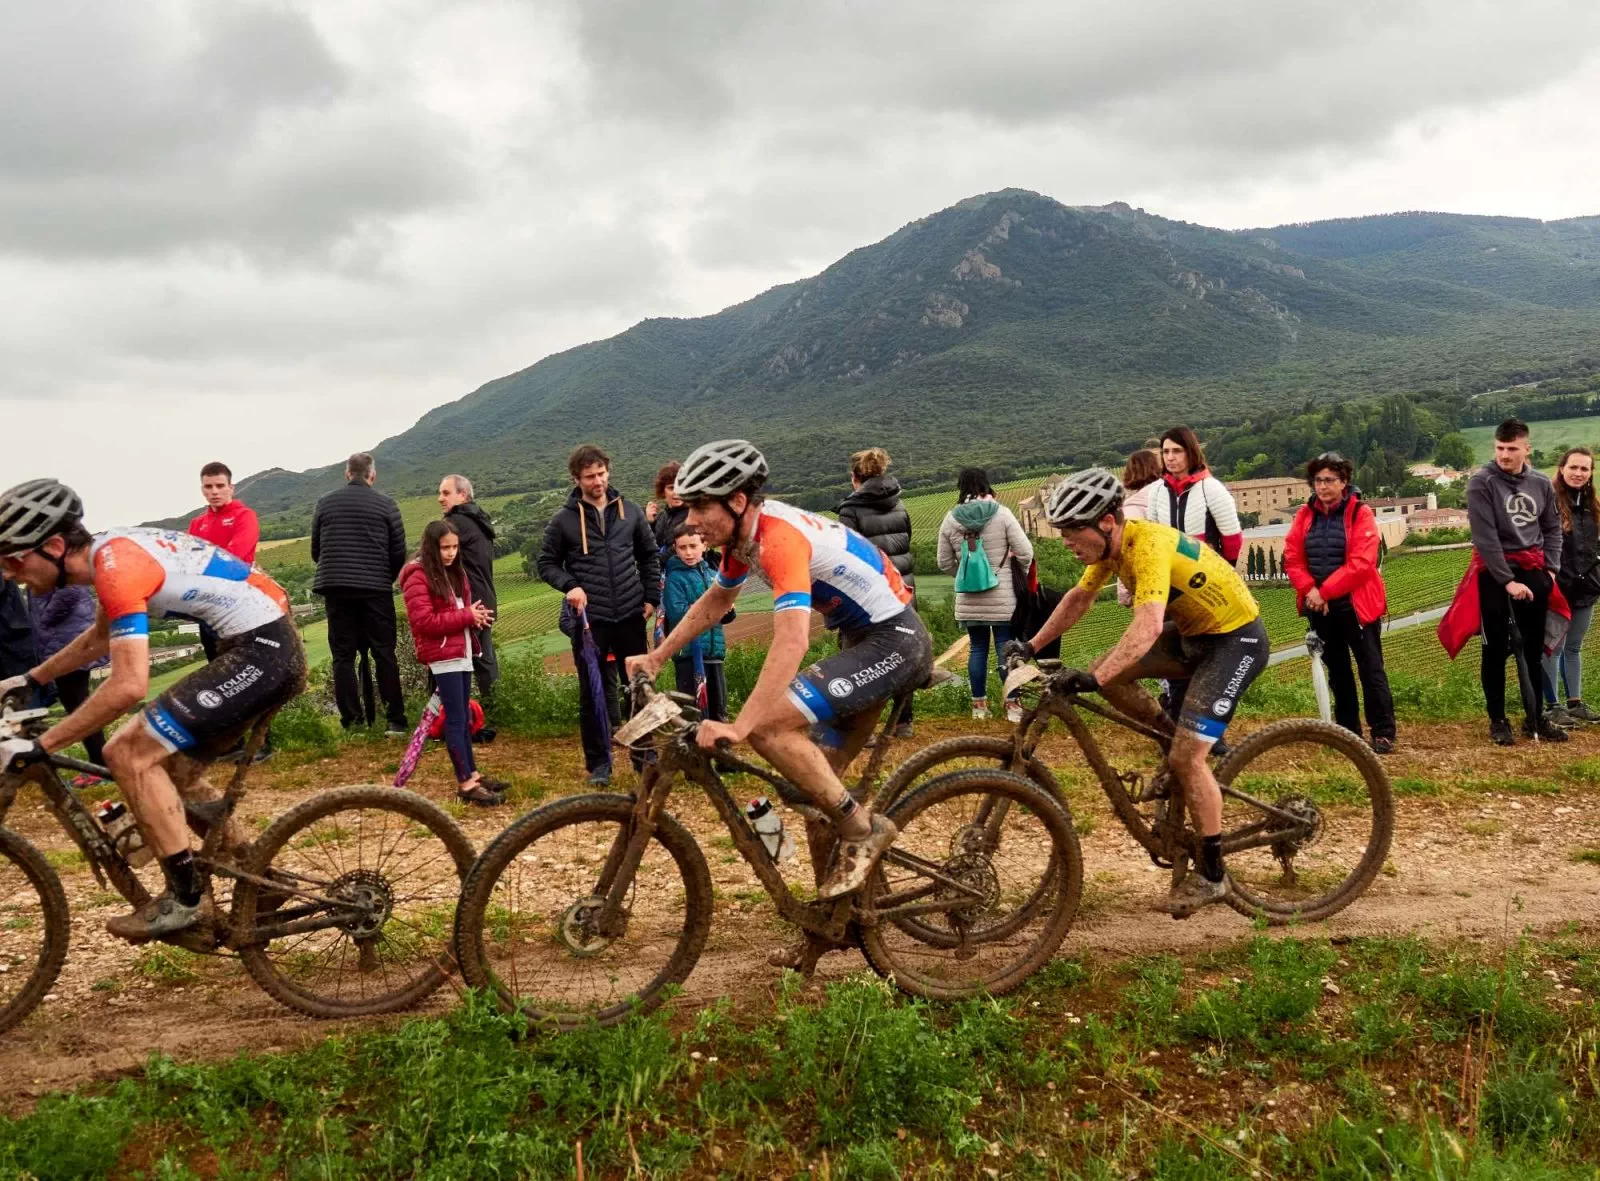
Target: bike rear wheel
391,863
529,923
34,927
1037,868
1330,833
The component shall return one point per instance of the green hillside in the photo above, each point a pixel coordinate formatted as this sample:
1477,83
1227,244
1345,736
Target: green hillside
1551,436
1014,331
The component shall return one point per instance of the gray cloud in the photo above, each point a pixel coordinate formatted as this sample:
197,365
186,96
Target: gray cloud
277,230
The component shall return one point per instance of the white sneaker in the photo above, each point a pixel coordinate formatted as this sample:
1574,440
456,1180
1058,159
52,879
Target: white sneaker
980,711
1013,712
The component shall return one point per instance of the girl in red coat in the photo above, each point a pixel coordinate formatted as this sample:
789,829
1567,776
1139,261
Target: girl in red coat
1331,557
437,596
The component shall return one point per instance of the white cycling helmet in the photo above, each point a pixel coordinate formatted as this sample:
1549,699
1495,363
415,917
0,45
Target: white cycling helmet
720,469
1083,498
35,511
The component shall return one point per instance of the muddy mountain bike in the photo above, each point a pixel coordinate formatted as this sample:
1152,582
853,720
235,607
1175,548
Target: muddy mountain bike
342,907
589,908
1307,814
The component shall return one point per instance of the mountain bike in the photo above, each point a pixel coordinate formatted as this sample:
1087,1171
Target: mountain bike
342,907
1307,817
589,908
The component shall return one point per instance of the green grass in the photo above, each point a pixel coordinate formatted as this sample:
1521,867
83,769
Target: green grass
1289,1058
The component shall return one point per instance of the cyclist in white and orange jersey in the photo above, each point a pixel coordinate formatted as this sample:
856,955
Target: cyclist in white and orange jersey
884,650
137,573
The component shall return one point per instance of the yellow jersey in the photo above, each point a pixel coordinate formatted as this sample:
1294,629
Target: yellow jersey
1203,593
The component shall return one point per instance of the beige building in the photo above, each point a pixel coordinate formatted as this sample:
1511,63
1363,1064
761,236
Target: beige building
1261,496
1030,511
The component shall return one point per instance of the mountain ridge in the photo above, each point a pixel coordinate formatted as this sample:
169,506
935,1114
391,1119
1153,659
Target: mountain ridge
1055,323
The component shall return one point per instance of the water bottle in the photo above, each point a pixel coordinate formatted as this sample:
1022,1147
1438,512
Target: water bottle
124,832
764,818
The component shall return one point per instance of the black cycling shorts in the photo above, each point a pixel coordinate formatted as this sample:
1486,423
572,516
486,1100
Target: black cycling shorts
872,667
206,712
1213,673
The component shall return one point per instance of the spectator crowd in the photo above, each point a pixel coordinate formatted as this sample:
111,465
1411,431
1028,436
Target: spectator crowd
630,572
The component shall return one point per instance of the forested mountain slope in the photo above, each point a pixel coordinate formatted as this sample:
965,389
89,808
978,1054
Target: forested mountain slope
1011,329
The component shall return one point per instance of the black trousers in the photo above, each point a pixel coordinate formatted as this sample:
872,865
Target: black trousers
73,689
1498,608
716,685
1343,636
486,670
209,640
621,640
360,621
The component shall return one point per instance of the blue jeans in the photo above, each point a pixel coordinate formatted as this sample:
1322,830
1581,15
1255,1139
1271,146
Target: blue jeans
455,691
978,655
1569,661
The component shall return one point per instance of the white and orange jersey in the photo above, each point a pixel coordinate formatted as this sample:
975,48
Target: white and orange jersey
144,572
812,562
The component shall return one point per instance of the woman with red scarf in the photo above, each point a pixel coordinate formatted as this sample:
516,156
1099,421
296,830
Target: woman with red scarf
1191,499
1331,557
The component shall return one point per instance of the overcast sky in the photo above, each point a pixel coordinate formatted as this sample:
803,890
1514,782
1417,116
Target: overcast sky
272,233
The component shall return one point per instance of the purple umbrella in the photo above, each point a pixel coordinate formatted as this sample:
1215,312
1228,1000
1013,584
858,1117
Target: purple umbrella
589,670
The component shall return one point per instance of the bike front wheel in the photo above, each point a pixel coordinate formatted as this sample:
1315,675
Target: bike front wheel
950,916
532,922
34,926
371,877
1307,819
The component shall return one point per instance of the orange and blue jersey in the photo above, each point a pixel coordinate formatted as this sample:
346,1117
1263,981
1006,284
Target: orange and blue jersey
814,563
144,572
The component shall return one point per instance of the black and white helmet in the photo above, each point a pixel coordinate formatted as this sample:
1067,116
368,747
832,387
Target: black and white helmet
721,469
1083,498
35,511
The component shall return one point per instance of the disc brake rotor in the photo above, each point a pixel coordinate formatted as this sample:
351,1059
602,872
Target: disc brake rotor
578,928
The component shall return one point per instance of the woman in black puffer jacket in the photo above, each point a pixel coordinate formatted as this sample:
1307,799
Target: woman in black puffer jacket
874,511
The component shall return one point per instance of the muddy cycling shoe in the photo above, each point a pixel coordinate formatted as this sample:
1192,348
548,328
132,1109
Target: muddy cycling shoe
1194,892
1546,730
1500,733
158,918
856,858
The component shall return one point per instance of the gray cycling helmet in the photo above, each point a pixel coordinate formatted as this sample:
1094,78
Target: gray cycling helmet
1083,498
35,511
720,469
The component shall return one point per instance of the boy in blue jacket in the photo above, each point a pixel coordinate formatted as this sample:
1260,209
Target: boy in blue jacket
688,577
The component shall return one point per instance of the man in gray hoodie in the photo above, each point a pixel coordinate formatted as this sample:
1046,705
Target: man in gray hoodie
1516,537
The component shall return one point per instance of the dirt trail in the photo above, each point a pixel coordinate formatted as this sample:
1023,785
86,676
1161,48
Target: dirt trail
1479,864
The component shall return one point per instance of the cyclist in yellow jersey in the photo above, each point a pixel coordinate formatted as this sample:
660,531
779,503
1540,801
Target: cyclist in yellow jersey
1195,623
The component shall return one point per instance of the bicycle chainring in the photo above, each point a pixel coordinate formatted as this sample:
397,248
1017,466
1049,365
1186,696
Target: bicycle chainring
369,894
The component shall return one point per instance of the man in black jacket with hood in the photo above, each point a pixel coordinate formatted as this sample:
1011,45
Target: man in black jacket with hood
359,545
600,552
477,558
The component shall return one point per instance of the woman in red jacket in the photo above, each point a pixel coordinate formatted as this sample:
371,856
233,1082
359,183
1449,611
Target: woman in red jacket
437,593
1331,557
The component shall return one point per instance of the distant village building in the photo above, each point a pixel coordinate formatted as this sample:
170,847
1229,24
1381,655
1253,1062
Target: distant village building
1442,476
1262,496
1030,511
1402,506
1438,518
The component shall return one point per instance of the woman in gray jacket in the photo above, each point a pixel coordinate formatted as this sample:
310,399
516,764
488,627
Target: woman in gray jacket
981,522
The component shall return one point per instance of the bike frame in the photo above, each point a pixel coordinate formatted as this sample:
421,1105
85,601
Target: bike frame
1166,841
208,819
827,922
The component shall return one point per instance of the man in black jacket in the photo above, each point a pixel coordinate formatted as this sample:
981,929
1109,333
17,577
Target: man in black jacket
600,552
477,557
359,544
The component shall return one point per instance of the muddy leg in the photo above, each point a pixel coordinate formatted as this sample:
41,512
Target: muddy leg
189,777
